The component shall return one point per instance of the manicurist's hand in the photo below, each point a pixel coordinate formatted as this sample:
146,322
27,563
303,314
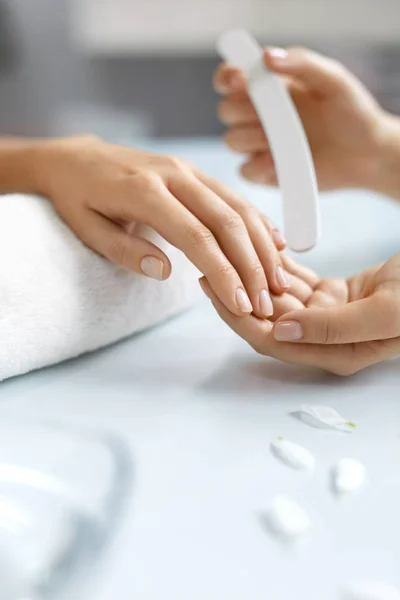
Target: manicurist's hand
340,326
101,190
345,126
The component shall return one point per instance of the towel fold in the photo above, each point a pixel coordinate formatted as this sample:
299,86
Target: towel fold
58,299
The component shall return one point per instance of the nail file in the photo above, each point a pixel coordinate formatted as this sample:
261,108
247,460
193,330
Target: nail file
286,136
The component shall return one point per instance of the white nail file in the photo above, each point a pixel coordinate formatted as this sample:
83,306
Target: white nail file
286,136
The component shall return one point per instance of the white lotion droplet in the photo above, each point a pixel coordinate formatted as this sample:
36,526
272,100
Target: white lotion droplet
287,518
291,454
348,475
372,591
326,417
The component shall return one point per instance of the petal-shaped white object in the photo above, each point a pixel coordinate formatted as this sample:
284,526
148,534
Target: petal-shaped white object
291,454
326,417
348,475
287,518
372,591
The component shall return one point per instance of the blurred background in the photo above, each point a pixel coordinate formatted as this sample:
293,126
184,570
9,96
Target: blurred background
123,68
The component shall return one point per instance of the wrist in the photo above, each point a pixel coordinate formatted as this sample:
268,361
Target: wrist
21,165
33,166
386,174
55,158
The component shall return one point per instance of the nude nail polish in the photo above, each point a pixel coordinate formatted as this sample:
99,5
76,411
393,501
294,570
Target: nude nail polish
282,278
278,238
279,53
288,331
266,308
243,301
152,267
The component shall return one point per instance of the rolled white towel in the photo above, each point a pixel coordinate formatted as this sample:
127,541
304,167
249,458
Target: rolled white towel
58,299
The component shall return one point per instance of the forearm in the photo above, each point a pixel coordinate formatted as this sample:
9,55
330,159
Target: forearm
387,178
20,164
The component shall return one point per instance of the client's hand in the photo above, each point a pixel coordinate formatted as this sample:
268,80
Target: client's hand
344,124
102,190
346,325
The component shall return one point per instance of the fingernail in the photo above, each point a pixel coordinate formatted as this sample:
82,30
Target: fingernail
279,53
243,301
152,267
266,307
288,331
282,278
278,238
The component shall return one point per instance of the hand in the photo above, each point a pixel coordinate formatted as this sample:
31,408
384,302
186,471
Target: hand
103,190
342,326
344,124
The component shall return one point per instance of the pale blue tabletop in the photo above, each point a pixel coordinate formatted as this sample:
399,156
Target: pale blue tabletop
199,409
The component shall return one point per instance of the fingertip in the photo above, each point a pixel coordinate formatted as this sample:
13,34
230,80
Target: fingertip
155,267
266,307
167,270
253,175
205,286
228,79
287,330
260,169
276,58
282,281
167,267
278,239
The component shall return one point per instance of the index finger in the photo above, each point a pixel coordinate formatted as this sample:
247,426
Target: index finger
160,209
227,79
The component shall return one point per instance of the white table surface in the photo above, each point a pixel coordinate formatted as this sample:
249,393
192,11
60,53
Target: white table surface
199,409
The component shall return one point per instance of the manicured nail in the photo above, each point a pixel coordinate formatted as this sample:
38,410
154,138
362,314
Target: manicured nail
243,301
288,331
152,267
282,278
266,307
279,53
278,238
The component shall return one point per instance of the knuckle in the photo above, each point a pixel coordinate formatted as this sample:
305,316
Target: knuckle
256,271
145,181
225,271
117,252
198,235
231,222
176,163
170,162
248,212
330,334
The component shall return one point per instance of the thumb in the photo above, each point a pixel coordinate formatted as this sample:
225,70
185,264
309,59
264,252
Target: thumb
373,318
318,72
133,253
